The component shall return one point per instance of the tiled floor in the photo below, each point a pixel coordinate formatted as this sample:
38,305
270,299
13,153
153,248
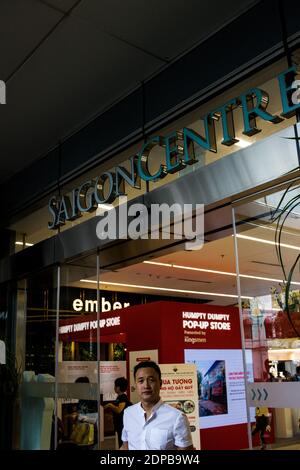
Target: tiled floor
291,447
292,443
109,443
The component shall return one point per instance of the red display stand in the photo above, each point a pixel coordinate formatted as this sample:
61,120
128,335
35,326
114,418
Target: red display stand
171,328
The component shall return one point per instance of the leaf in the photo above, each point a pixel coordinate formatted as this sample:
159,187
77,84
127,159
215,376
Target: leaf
287,291
280,216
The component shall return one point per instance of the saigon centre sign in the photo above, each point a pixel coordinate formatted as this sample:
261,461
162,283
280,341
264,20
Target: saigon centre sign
179,150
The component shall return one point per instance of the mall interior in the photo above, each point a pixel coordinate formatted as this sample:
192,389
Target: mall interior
104,124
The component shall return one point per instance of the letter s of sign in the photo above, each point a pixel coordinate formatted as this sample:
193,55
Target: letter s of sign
52,206
295,98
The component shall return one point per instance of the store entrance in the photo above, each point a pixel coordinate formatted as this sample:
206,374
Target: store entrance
151,294
160,301
267,236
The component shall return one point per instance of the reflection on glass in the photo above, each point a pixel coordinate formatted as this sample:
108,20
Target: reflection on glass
268,251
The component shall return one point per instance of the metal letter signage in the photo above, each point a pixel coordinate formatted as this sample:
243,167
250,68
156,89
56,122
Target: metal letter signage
178,149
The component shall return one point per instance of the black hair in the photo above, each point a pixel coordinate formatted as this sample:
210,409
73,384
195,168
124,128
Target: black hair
84,380
150,364
122,383
298,370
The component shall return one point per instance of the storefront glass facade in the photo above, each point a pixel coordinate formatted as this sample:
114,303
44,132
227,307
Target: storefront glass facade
267,239
51,318
238,268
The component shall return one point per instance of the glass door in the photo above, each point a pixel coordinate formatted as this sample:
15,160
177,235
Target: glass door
37,301
268,246
78,357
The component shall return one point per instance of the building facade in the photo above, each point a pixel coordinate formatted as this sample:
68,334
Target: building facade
216,132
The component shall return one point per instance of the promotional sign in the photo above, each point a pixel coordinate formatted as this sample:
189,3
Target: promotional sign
221,386
134,358
69,371
201,327
109,372
84,327
180,389
185,332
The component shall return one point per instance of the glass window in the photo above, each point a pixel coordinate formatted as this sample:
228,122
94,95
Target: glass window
268,236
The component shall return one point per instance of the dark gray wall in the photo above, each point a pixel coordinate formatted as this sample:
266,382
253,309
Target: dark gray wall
236,51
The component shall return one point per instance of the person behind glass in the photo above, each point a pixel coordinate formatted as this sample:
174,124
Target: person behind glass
85,406
261,424
287,375
296,377
119,405
86,410
152,424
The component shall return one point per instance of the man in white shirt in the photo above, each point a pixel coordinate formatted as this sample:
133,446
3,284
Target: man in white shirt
151,424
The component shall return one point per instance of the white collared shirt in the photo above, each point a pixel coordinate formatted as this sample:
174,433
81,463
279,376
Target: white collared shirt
166,428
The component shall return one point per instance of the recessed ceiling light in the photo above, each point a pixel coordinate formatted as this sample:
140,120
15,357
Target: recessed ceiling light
102,208
22,244
223,273
105,207
165,289
189,268
271,350
242,143
267,242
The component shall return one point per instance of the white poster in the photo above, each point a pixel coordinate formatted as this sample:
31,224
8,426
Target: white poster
69,371
221,388
109,372
180,389
134,358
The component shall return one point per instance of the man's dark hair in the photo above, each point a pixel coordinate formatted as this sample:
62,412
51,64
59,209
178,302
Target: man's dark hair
144,364
122,383
298,370
82,380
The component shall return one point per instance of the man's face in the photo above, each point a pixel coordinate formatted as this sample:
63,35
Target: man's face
148,385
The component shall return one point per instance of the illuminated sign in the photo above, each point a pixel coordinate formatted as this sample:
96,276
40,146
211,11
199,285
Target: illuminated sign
205,320
179,150
89,325
91,305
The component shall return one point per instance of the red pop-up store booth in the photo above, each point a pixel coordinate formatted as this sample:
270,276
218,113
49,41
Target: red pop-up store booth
184,332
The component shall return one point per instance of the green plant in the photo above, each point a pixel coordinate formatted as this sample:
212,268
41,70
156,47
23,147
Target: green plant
85,354
119,353
280,298
67,352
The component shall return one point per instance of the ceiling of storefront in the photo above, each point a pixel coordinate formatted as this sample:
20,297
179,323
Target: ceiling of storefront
65,61
257,260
